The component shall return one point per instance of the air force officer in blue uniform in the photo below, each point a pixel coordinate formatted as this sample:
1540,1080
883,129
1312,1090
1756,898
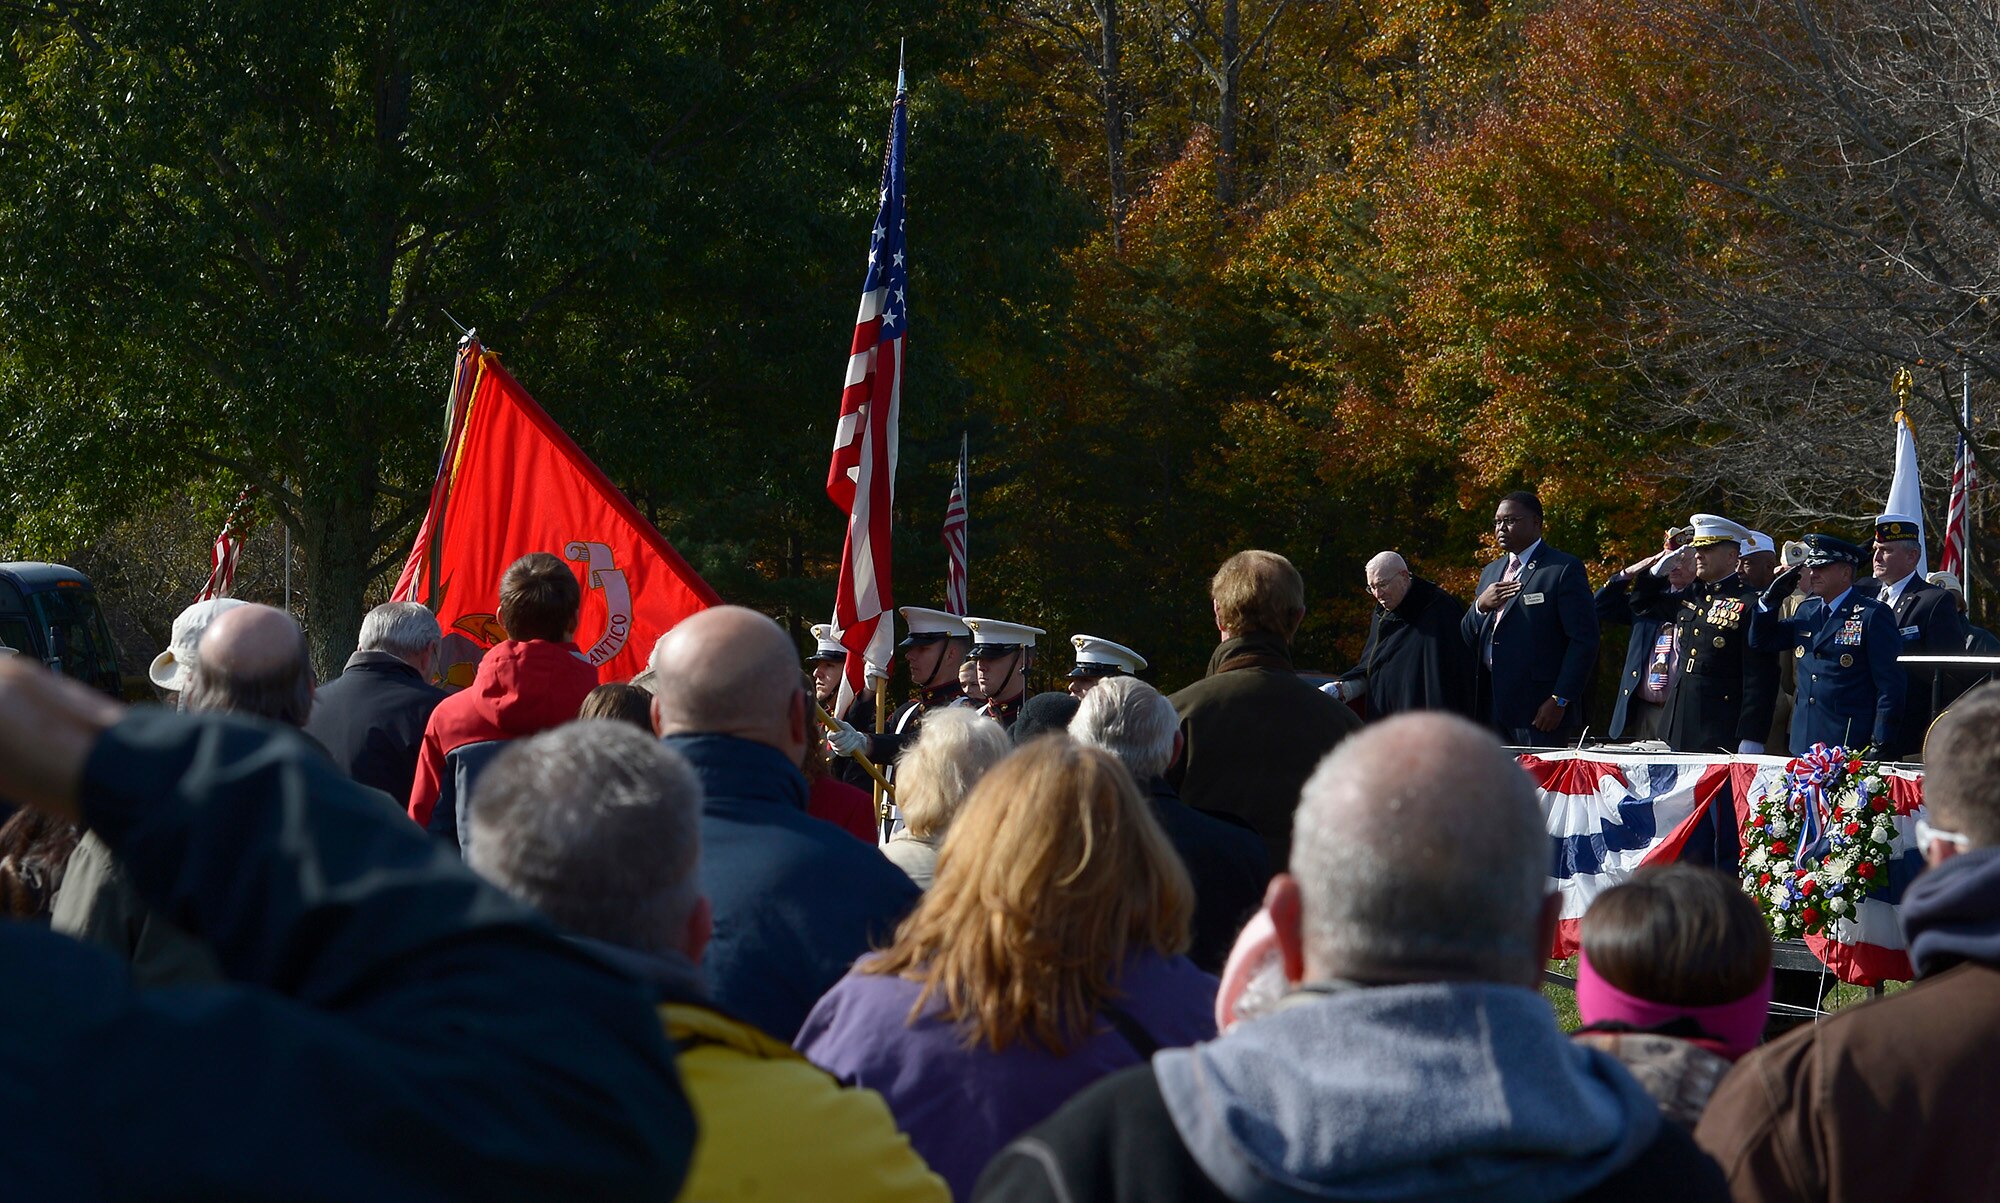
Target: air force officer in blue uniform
1532,631
1850,691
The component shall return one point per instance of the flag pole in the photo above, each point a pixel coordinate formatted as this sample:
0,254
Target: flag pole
882,790
826,722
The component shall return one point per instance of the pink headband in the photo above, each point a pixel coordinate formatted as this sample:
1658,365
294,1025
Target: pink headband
1734,1025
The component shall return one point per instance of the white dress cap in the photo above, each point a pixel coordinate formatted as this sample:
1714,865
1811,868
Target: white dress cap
1098,657
922,621
1710,529
828,646
992,637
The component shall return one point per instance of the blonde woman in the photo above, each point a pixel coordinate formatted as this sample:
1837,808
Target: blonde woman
1046,955
954,749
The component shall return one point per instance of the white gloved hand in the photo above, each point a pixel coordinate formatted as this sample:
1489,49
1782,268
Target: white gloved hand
1345,691
1749,747
845,740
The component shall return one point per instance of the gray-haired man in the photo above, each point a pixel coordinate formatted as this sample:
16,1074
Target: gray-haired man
1224,857
599,827
371,718
1414,1057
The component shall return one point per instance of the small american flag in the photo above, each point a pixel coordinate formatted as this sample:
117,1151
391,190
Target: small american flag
954,537
228,546
861,480
1963,481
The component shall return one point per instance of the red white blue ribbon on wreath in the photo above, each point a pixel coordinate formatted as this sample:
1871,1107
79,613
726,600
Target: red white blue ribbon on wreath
1810,777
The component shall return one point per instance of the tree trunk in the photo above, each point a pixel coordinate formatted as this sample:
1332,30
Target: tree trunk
1110,78
1227,102
336,519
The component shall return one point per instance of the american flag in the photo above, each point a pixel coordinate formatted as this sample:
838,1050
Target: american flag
862,477
1963,481
954,538
228,546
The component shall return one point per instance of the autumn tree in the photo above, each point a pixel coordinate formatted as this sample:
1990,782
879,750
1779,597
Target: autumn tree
1855,162
229,242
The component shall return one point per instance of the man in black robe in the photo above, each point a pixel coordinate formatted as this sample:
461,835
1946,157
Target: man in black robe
1415,658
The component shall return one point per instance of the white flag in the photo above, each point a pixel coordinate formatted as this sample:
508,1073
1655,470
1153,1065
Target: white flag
1906,495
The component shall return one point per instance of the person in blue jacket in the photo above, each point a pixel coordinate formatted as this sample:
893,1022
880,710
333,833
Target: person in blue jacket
1850,692
796,899
393,1027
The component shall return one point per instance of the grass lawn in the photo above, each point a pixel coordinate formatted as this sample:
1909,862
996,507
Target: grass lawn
1563,999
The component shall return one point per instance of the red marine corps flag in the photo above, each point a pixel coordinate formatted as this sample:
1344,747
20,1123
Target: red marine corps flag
512,482
862,478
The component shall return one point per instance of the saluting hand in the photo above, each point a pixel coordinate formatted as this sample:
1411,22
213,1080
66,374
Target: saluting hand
1640,566
1496,595
1781,587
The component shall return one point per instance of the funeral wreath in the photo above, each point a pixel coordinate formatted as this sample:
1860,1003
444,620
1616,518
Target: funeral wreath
1818,844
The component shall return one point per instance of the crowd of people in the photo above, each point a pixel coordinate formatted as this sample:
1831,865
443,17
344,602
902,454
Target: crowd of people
547,937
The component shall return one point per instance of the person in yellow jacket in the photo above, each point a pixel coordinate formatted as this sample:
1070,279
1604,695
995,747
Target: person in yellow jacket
772,1125
598,826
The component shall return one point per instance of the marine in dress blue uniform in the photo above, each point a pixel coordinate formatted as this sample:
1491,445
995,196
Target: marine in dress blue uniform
1722,694
1003,653
1850,690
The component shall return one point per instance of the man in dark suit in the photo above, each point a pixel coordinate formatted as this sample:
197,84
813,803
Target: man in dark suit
1927,624
1532,631
371,718
1850,691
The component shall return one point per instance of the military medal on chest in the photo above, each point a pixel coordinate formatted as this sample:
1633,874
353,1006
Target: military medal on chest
1725,612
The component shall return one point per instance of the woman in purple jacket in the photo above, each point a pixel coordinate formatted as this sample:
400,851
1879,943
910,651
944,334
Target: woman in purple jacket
1046,955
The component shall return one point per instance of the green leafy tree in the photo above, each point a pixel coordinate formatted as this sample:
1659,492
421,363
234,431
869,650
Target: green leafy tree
229,237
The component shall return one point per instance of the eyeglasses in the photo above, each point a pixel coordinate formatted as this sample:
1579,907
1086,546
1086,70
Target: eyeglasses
1926,834
1513,521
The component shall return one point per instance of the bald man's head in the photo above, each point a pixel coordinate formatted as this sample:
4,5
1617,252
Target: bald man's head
1420,854
252,660
1388,579
730,671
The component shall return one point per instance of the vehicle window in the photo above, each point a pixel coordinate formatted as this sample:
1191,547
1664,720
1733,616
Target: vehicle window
14,632
79,634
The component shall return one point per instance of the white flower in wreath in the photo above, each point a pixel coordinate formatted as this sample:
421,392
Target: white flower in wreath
1882,833
1776,894
1758,857
1838,906
1778,829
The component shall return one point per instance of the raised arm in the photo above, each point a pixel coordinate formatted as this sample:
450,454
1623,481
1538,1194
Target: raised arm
405,1031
